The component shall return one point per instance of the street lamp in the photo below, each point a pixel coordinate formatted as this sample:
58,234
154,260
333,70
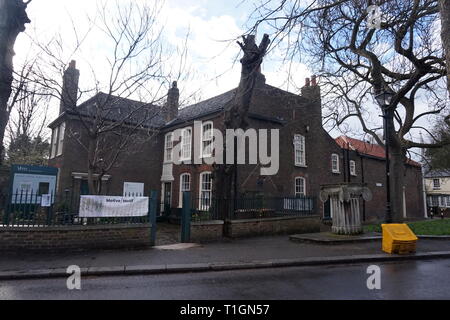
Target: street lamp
384,99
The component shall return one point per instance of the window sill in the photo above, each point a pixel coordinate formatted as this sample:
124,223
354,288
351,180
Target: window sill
336,172
301,165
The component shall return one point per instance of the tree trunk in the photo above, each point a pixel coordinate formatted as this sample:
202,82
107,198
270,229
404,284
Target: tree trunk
13,18
397,169
91,167
397,156
444,8
225,188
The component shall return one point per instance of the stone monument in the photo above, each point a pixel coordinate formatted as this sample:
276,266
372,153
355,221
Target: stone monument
344,203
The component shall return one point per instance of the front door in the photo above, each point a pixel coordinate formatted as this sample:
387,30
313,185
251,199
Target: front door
167,198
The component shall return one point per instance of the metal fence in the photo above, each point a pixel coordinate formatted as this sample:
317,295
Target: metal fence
250,208
31,209
247,208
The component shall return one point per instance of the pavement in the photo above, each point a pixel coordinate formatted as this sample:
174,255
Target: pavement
261,252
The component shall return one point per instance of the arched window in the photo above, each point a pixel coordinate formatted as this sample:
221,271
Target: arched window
300,186
207,139
335,163
185,185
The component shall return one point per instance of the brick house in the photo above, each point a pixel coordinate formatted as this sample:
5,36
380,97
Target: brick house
69,135
308,156
437,186
365,163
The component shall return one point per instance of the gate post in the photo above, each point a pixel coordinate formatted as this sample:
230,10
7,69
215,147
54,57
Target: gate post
152,206
186,217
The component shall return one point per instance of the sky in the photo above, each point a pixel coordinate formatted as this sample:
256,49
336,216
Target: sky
212,27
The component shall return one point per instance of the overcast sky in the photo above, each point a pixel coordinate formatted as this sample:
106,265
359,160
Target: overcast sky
211,24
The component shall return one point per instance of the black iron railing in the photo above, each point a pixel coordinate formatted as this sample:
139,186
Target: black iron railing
205,208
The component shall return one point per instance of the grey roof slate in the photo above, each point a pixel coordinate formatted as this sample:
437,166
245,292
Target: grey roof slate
202,108
437,173
117,109
121,109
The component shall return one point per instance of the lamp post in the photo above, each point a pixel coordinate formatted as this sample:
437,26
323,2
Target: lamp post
384,100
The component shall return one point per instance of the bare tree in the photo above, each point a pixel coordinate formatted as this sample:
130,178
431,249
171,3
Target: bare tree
13,18
355,61
125,97
28,120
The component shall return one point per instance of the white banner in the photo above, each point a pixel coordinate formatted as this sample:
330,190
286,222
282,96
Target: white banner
113,206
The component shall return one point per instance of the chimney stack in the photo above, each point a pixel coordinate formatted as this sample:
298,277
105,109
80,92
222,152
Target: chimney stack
172,104
311,91
69,93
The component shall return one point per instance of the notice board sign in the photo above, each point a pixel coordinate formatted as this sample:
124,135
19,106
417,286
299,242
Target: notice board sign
133,189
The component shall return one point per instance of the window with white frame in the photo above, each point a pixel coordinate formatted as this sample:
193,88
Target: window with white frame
335,163
352,167
168,147
300,188
185,185
434,201
436,184
441,201
207,139
299,150
186,137
57,140
205,190
62,129
54,142
447,201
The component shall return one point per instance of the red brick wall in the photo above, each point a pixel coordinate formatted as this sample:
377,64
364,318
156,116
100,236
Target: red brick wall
20,239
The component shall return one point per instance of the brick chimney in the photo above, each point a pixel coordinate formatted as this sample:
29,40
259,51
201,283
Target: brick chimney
311,91
171,108
69,92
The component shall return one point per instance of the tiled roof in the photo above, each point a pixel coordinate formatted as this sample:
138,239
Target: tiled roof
366,148
203,108
437,173
218,103
122,109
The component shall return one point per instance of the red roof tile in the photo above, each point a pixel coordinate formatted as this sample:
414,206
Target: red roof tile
367,148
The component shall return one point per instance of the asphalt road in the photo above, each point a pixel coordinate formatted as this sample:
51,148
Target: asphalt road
405,280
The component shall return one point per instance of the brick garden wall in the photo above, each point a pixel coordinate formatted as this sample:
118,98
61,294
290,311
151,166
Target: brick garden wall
207,230
74,237
271,226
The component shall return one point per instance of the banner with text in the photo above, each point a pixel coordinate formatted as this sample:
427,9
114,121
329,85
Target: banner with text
113,206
